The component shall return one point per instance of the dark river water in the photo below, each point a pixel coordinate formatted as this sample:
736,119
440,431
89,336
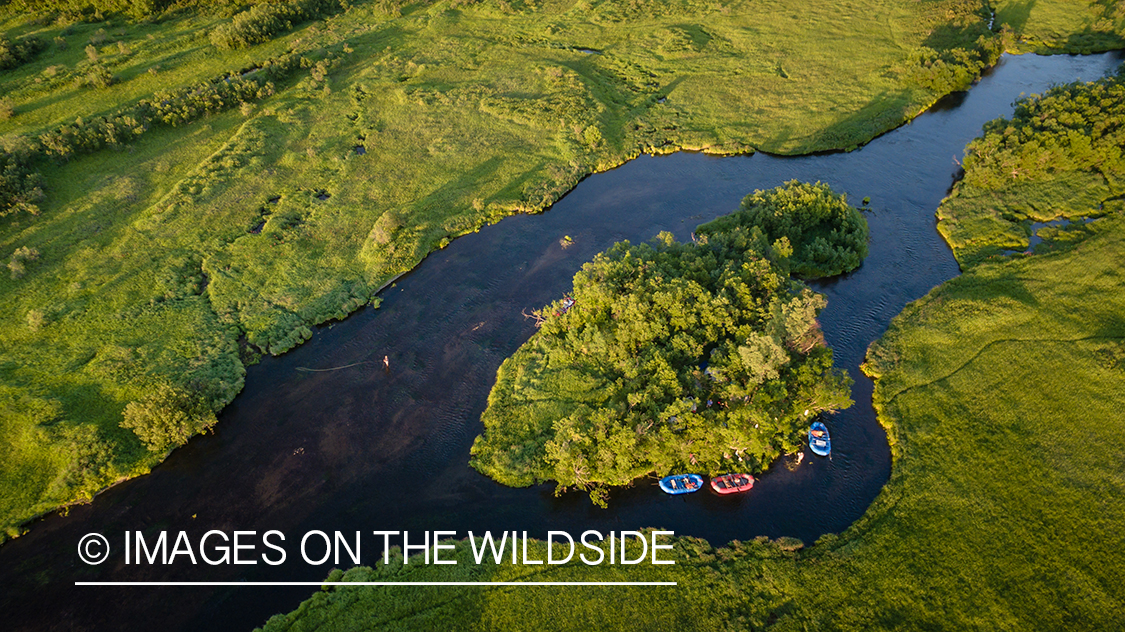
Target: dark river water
363,448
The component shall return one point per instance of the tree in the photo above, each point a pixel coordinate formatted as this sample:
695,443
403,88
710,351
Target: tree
828,237
168,417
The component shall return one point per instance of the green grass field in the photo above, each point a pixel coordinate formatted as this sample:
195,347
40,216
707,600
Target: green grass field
1001,392
1063,26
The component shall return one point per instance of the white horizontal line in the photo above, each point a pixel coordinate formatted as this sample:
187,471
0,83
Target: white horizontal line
375,583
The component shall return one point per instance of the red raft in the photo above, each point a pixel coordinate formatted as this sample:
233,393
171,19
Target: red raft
732,483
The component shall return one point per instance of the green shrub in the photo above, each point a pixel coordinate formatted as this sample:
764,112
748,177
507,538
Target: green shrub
263,22
168,417
17,264
20,185
98,76
953,70
828,237
172,108
16,52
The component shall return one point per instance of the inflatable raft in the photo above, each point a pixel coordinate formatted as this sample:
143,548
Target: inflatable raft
819,441
732,483
681,483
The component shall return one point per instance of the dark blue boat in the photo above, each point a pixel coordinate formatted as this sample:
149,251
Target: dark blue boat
819,441
681,483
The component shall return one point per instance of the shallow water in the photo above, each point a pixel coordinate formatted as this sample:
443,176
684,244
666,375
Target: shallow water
368,448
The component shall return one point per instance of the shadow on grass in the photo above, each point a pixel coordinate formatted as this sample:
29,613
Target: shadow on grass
1015,15
882,114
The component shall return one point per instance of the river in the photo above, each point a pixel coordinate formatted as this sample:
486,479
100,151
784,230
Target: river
367,448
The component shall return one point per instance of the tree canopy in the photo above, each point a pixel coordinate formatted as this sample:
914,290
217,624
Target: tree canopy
168,417
703,355
828,236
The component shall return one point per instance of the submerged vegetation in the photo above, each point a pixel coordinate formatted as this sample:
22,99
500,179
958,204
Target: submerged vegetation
668,356
1001,392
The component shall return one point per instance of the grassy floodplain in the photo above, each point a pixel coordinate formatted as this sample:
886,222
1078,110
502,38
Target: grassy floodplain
166,253
1062,27
1001,391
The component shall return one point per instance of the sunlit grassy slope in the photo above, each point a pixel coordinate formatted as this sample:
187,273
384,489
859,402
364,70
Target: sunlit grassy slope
1062,26
156,258
1002,392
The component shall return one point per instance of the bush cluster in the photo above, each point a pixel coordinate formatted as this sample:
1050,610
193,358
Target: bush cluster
187,104
82,136
168,417
263,22
17,263
955,69
20,51
828,237
21,186
97,76
169,108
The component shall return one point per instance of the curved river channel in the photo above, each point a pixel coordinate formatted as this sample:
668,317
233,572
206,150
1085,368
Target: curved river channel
363,448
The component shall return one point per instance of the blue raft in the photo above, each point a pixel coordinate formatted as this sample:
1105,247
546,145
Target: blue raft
819,441
681,483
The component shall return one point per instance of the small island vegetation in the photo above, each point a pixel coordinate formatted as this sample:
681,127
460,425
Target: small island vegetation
827,236
670,356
